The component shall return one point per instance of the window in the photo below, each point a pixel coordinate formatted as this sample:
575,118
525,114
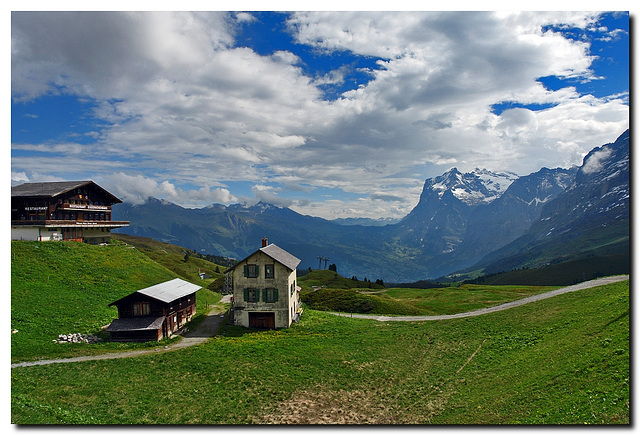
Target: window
251,295
270,295
269,271
251,271
141,309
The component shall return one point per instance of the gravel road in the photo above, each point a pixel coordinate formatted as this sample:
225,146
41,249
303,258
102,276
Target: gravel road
481,311
210,325
204,332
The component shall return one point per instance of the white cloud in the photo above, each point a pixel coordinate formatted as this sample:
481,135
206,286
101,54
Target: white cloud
594,162
245,17
268,195
18,178
183,105
335,77
136,189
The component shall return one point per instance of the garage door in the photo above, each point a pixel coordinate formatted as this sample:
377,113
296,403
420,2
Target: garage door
262,320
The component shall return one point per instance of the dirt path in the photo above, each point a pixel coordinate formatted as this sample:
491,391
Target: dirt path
572,288
210,325
204,332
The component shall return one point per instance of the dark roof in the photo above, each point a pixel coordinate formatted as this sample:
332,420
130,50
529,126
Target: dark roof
166,292
135,324
278,254
54,188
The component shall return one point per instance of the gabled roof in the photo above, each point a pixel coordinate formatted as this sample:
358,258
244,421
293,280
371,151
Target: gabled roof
55,188
167,291
278,254
281,256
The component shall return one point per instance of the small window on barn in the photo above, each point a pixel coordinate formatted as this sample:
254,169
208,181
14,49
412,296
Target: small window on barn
141,309
270,294
251,271
251,295
269,270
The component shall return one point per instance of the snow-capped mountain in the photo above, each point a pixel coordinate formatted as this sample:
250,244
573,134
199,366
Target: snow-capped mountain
438,223
590,216
507,220
599,193
491,226
463,216
479,186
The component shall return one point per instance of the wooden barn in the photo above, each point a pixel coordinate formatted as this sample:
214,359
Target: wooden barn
155,312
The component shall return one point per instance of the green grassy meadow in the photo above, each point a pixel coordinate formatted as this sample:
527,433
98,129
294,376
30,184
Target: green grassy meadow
467,297
345,295
563,360
66,287
175,258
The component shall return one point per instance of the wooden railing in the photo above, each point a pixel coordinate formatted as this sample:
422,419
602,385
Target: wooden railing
83,207
69,223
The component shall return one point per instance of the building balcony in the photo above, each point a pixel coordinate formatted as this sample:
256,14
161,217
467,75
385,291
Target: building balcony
83,207
69,224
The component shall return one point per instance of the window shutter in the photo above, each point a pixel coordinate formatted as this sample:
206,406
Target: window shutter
246,294
264,295
246,271
275,295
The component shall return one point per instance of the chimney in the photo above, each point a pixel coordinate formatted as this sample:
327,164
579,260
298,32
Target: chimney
265,242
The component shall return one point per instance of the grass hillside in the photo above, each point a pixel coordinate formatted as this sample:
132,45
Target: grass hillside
563,273
182,261
66,287
331,279
328,291
563,360
601,249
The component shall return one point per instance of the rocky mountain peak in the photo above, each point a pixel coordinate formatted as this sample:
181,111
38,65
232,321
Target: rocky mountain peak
479,186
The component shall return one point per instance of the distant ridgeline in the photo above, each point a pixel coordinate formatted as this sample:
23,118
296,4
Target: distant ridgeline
473,223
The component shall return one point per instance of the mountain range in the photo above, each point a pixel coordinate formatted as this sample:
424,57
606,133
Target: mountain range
469,223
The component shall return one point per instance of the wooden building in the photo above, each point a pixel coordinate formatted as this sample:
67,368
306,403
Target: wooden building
155,312
265,292
65,210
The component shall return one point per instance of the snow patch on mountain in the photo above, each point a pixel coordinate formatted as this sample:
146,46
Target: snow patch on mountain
479,186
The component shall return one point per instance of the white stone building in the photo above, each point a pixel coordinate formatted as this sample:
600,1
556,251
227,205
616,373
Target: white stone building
265,291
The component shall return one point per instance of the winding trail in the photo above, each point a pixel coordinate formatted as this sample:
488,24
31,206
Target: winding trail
201,334
210,325
505,306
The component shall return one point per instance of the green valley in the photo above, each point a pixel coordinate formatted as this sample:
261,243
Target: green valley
563,360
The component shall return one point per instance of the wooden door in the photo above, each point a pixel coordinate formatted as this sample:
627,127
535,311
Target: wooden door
262,320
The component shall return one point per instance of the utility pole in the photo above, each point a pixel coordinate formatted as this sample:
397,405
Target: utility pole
320,260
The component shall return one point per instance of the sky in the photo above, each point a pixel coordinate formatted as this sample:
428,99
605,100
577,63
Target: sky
331,113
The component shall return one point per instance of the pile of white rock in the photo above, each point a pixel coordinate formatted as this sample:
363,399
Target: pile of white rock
77,338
